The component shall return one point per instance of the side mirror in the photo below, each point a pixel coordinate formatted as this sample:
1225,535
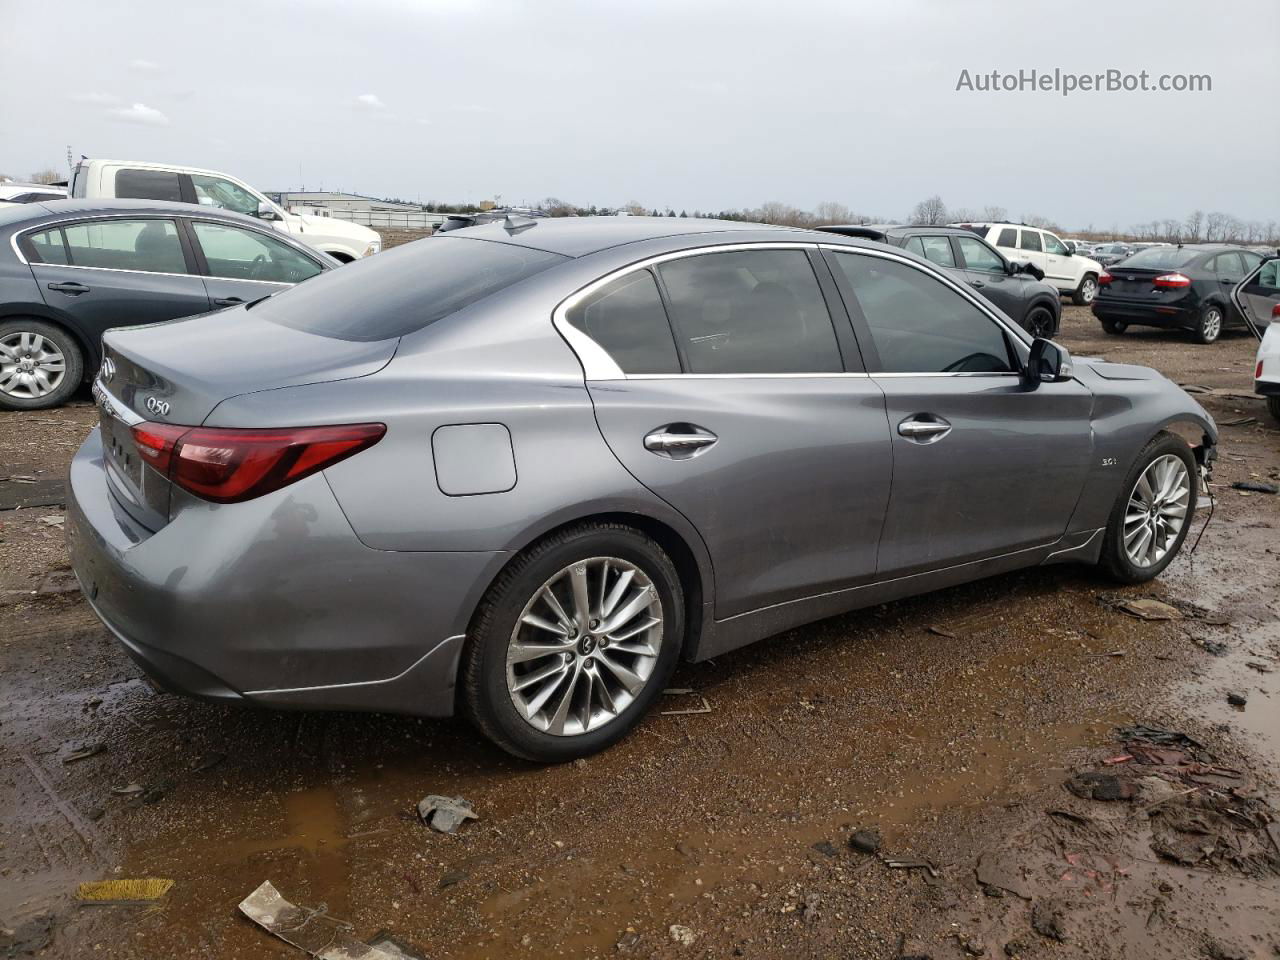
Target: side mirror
1049,363
1027,267
267,212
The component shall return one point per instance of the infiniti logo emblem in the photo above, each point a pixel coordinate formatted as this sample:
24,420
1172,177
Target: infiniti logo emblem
108,370
159,407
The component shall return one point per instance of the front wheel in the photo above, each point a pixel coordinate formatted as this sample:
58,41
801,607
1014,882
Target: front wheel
40,365
573,642
1209,325
1087,290
1153,512
1039,322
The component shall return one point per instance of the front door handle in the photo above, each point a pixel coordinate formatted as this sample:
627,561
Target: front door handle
69,287
924,428
227,301
679,441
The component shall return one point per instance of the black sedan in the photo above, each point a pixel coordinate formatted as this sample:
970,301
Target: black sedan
1183,287
70,269
1016,288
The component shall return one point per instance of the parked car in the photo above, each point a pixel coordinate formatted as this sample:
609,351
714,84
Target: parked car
1184,287
1069,273
521,472
1109,253
460,221
1257,297
1016,287
12,192
104,179
70,269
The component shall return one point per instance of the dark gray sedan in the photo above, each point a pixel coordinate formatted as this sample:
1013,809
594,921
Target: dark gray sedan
521,470
71,269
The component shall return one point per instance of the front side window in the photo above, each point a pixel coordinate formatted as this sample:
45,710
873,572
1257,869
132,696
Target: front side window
1030,240
148,185
151,246
938,249
978,256
918,324
1055,246
1008,238
237,254
756,311
217,192
627,319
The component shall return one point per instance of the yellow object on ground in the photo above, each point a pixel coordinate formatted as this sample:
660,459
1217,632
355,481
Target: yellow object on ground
143,888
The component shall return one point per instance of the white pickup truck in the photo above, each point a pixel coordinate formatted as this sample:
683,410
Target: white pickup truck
95,179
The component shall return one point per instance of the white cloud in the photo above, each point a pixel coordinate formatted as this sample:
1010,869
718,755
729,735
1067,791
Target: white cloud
94,97
139,113
370,101
146,65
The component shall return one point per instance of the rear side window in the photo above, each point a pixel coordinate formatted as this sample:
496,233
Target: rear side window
756,311
49,246
919,325
627,319
151,246
1031,241
1008,238
406,289
1229,266
148,185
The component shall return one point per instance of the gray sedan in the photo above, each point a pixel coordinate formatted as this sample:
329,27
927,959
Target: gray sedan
521,470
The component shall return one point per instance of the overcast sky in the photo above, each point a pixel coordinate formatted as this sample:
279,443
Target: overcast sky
693,104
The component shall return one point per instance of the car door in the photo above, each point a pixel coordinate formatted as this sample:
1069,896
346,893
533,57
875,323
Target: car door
115,271
739,401
1031,248
1257,297
982,464
988,273
1059,267
242,264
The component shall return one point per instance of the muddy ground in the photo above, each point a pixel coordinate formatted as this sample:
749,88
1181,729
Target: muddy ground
952,724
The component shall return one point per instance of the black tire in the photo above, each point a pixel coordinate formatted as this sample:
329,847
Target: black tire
1273,406
1113,559
73,364
484,696
1114,327
1039,322
1083,295
1208,326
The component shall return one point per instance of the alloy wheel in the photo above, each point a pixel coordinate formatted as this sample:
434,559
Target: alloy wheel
1156,511
1040,323
1088,289
31,365
1211,326
584,646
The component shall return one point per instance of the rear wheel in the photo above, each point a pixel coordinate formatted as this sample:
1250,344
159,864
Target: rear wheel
40,365
1087,290
1273,406
573,642
1209,325
1153,513
1113,327
1039,322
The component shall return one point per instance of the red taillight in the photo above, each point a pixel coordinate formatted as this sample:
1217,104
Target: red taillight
1171,281
227,465
1104,278
1275,312
1257,374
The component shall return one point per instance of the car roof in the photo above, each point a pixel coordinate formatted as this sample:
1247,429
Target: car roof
580,236
58,209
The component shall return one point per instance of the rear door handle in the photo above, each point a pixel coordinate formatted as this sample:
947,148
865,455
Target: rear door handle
70,287
227,301
679,441
924,428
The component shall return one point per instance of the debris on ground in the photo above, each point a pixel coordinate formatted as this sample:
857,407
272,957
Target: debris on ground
1145,608
57,520
683,691
129,790
1255,486
1100,786
1216,647
930,871
682,935
445,814
123,891
392,947
865,840
82,751
1238,422
939,632
58,582
1047,920
995,874
1237,699
312,931
826,848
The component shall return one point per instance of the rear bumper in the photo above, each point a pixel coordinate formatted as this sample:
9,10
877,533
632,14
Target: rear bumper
274,601
1168,315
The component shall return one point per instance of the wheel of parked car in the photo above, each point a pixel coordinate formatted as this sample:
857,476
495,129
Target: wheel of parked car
1209,326
40,365
1153,512
1039,322
573,642
1273,406
1087,290
1114,327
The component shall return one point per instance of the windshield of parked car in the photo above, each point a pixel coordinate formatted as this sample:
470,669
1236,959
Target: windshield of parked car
1162,258
395,293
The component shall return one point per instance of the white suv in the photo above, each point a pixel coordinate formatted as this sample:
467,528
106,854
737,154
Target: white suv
95,179
1070,273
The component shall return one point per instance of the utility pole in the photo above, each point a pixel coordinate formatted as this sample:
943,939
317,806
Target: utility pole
70,166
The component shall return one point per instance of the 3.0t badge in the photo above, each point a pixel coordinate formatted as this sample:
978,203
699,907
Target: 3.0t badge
159,407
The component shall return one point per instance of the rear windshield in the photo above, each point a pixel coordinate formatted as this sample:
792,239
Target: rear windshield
395,293
1162,258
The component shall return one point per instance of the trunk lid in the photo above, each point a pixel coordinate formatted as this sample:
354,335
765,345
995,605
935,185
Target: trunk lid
1135,282
178,372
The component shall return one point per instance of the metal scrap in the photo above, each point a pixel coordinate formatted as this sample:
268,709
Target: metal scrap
312,931
445,814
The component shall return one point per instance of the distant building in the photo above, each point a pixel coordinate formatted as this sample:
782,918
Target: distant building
355,208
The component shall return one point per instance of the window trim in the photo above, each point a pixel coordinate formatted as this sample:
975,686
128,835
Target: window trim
18,241
597,365
188,225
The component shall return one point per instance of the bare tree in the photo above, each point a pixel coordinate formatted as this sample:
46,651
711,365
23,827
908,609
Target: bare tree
1215,226
831,212
1195,221
962,215
994,213
1044,223
635,209
930,212
47,175
556,207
